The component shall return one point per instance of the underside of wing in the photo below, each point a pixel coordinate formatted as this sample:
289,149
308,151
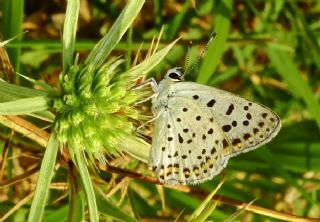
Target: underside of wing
245,124
186,145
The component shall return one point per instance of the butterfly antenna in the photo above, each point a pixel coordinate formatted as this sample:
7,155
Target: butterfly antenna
186,67
200,56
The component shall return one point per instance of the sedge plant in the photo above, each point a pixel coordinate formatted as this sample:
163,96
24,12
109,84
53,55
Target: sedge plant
93,115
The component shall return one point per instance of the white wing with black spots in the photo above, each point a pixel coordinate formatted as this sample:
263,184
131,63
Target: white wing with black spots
198,128
188,146
246,125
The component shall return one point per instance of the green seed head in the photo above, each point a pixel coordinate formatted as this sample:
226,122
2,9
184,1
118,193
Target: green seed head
96,109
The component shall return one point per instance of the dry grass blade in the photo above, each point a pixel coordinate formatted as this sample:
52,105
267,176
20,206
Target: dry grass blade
238,212
253,208
19,178
160,190
5,154
26,128
5,64
17,206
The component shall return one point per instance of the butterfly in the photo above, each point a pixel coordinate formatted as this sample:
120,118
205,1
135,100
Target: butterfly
197,129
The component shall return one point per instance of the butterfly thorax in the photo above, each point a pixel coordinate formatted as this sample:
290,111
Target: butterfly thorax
165,90
164,94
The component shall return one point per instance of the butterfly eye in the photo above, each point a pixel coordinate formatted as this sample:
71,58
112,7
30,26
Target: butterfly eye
175,76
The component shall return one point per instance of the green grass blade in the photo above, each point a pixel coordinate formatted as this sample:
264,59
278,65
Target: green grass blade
44,115
77,208
57,215
77,197
108,208
42,188
25,106
87,185
46,87
298,133
278,167
109,41
69,33
309,36
9,92
296,84
176,22
129,48
12,26
204,210
215,50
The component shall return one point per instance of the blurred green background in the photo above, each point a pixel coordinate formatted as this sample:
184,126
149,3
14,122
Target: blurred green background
266,51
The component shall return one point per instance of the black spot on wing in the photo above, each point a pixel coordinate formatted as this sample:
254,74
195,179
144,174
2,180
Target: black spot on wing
211,103
230,109
184,156
180,138
226,128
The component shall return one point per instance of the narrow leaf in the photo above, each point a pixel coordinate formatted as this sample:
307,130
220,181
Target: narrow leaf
310,37
204,210
42,84
278,167
108,42
76,196
87,185
216,48
9,92
176,22
44,179
297,85
60,214
25,106
69,33
106,207
11,26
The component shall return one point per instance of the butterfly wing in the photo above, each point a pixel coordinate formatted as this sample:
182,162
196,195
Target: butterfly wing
245,125
186,146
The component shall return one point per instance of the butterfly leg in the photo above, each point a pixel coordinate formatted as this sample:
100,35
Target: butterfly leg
151,120
152,82
146,99
154,86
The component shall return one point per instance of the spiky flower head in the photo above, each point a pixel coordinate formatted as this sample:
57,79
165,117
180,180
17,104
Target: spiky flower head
96,109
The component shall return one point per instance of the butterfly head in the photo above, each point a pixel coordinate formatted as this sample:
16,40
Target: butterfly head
174,74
